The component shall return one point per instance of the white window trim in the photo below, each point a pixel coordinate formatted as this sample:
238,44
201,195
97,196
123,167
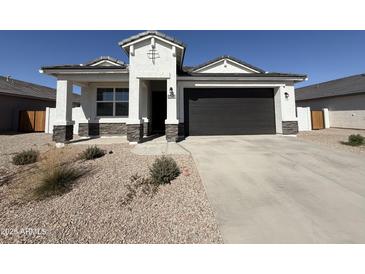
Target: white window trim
114,101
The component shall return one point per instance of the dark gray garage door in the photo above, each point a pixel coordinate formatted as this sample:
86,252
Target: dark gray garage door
229,111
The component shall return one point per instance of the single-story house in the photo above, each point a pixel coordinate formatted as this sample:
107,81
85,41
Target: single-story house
16,96
156,93
344,98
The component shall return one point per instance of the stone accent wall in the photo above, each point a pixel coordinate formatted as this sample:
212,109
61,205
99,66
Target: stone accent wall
135,132
62,134
146,128
290,127
174,132
102,129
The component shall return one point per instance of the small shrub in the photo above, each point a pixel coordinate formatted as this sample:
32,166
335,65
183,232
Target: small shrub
164,170
355,140
57,180
91,153
26,157
138,186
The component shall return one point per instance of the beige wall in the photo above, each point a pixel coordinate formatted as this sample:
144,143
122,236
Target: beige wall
344,111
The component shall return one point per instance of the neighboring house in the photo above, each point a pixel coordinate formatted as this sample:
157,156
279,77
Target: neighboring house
155,93
344,98
16,96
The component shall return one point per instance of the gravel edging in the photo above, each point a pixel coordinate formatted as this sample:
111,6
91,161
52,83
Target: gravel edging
93,212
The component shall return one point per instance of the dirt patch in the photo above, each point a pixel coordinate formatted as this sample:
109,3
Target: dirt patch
333,138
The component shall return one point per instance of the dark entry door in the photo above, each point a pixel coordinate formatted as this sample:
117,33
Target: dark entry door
229,111
159,111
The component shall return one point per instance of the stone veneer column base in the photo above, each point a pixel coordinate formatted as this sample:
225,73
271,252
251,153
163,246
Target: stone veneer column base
62,134
174,132
102,129
290,127
135,132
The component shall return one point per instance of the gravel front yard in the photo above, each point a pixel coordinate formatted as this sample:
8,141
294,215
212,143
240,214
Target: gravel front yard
95,210
332,137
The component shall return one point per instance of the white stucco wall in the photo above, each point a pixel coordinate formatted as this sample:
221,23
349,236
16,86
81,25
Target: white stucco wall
304,119
64,98
142,67
51,119
288,103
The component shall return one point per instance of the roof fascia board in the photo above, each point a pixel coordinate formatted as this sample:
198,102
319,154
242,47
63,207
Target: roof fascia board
81,71
240,78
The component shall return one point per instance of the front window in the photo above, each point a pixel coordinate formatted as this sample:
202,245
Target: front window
112,102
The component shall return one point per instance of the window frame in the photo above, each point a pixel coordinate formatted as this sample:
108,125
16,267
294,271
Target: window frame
114,101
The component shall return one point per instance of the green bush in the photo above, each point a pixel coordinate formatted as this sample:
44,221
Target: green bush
57,180
164,170
356,140
26,157
92,152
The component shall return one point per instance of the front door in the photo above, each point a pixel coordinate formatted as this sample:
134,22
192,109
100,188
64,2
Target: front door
159,111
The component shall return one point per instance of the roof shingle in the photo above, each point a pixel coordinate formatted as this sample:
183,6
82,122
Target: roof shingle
21,88
343,86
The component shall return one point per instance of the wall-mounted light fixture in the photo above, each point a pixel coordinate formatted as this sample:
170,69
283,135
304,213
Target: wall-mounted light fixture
286,95
171,93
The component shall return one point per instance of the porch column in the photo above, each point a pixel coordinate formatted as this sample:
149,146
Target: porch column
145,106
172,123
87,103
134,125
63,128
288,114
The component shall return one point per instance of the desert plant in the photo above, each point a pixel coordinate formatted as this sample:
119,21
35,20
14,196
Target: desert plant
57,180
26,157
164,170
92,152
137,186
355,140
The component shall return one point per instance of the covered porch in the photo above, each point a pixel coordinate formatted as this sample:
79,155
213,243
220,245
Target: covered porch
109,108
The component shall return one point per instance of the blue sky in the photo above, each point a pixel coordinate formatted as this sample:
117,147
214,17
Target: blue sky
322,55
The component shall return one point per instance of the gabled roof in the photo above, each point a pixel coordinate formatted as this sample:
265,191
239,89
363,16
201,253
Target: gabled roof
150,32
101,59
180,46
339,87
20,88
215,60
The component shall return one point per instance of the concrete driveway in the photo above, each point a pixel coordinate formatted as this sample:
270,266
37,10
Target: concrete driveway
275,189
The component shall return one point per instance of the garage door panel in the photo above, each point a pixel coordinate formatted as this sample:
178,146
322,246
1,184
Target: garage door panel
229,111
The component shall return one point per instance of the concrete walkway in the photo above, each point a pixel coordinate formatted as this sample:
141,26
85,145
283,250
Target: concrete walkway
275,189
99,141
159,146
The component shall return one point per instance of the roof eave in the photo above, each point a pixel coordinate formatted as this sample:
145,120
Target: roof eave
82,70
294,78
